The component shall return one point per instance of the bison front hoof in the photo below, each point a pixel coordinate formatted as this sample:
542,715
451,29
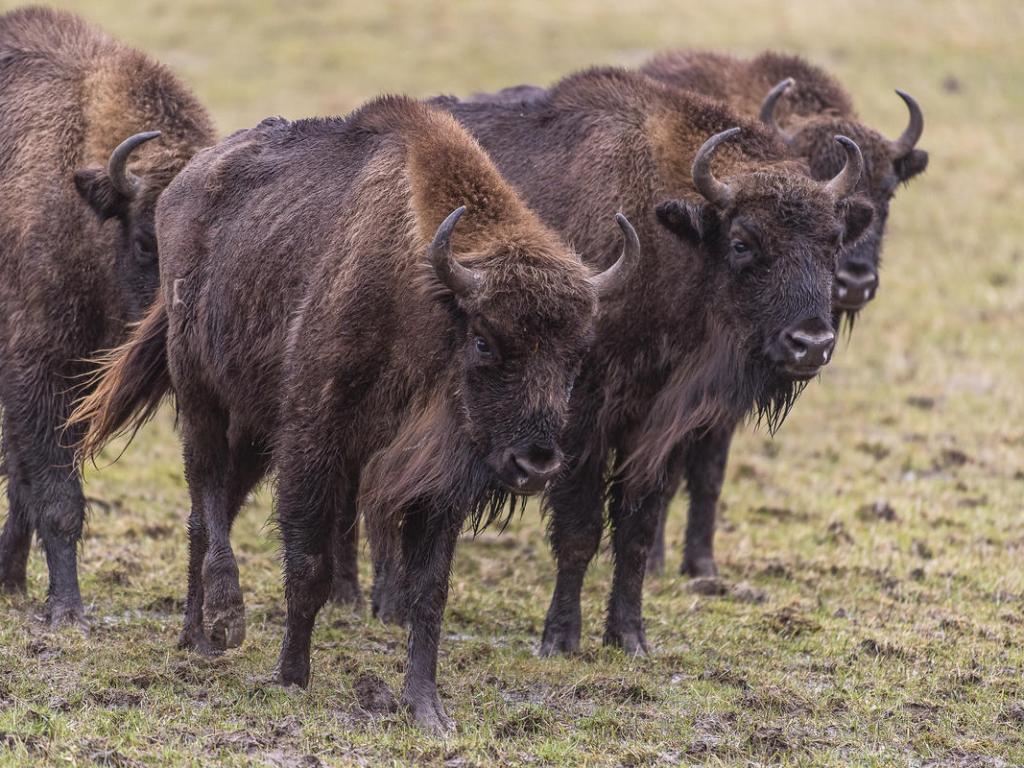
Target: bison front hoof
195,640
632,642
225,622
13,585
699,567
655,564
428,713
65,613
292,675
391,610
560,641
345,591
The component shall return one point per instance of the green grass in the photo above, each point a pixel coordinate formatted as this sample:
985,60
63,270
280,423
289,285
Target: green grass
846,639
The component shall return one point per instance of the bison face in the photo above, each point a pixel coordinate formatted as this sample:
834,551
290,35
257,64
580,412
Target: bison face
517,375
772,238
887,163
115,193
525,313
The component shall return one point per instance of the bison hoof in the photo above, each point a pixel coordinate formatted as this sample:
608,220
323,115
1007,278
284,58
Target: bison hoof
391,611
428,713
632,642
193,639
346,592
225,624
15,586
559,642
655,564
699,567
292,675
60,613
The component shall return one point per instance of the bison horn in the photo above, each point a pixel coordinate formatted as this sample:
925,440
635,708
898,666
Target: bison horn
767,114
711,188
846,181
122,179
616,274
460,280
912,133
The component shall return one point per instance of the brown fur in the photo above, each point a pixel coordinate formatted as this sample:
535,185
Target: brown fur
691,339
810,113
305,334
77,261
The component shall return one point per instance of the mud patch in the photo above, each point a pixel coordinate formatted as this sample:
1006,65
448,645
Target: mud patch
374,696
116,699
791,621
525,722
708,586
880,510
882,649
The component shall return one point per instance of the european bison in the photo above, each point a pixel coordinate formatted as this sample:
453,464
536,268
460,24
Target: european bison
807,107
313,317
729,308
78,256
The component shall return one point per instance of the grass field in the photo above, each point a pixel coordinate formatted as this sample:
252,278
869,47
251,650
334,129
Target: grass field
873,606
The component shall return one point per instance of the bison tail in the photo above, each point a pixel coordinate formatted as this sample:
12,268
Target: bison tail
127,387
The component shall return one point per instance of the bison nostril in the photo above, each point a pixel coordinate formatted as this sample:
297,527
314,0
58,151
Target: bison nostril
537,461
808,347
856,279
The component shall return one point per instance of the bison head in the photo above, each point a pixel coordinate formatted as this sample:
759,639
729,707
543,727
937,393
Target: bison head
115,192
524,317
887,163
772,235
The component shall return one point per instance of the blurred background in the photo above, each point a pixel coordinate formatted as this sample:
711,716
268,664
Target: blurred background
879,535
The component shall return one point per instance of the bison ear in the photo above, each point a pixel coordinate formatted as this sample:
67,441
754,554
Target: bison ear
911,164
691,222
98,191
857,216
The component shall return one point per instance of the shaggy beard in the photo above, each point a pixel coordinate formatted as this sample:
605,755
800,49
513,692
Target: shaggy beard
774,402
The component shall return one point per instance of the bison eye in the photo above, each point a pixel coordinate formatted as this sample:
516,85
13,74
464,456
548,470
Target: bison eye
483,347
742,254
145,248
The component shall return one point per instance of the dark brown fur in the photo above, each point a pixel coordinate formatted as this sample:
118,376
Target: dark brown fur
304,332
686,344
811,112
77,261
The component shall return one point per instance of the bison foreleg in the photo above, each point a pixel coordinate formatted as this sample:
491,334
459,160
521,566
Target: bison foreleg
345,551
577,520
634,519
705,473
309,495
674,478
16,539
428,544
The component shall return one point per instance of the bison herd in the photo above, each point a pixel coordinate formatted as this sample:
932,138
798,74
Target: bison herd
419,314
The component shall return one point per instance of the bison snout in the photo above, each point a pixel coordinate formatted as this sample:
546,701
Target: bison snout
530,469
803,348
854,286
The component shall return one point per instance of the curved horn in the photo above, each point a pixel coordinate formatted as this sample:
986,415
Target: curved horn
616,274
460,280
846,181
703,179
123,181
767,114
915,127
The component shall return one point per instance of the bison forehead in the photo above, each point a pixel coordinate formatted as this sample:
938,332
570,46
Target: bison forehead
816,141
794,201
